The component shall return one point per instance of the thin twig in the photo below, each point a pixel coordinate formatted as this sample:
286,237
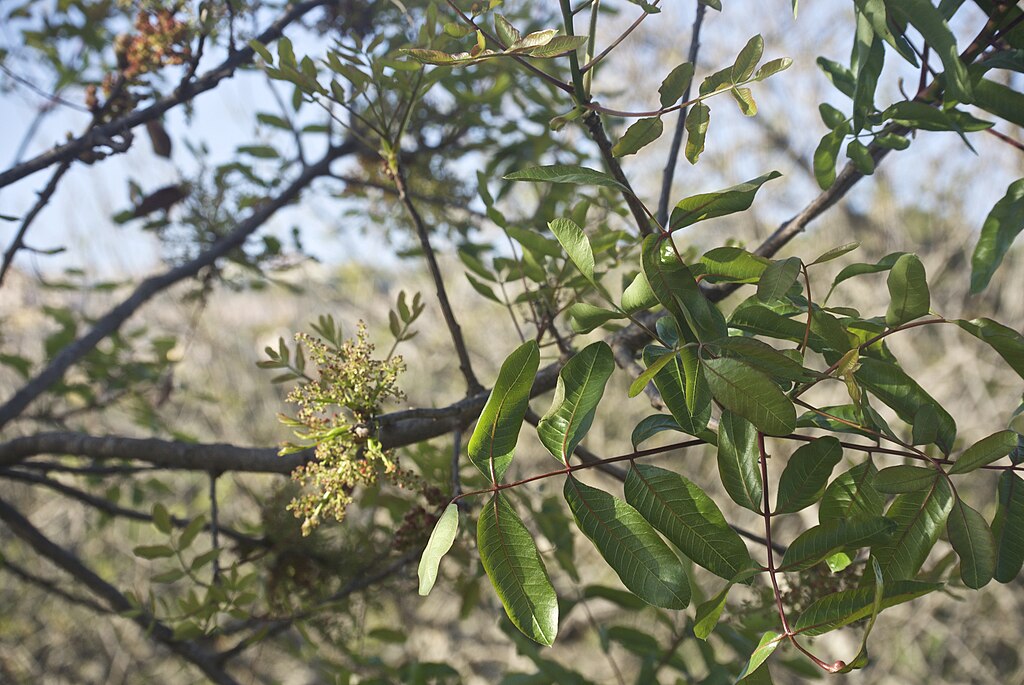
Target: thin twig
44,198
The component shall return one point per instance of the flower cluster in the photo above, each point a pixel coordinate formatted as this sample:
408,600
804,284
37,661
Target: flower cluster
336,413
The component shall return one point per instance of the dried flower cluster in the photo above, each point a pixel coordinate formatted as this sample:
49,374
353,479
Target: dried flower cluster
336,413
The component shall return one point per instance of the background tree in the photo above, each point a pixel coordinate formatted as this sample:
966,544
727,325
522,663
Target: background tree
536,148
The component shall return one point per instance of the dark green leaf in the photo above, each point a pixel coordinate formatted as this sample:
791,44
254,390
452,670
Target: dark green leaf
908,291
161,518
1008,527
191,532
920,517
642,132
697,120
586,317
1002,101
764,357
972,540
777,279
745,391
923,16
825,156
580,386
511,560
925,426
560,173
905,478
651,426
675,84
842,608
644,563
674,286
889,383
985,451
441,539
834,253
705,206
1008,343
497,430
576,244
534,242
153,551
691,521
851,495
804,479
815,544
883,264
1002,225
733,264
739,461
841,77
684,390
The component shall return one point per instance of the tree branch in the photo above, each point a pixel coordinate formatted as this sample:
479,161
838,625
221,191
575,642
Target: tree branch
103,134
71,564
44,198
150,287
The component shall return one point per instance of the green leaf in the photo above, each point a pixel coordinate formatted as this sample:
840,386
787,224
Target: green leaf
561,173
744,98
1008,527
926,426
651,426
511,560
580,386
641,381
506,32
851,495
739,461
638,295
908,291
751,394
1008,343
889,383
815,544
806,474
708,614
497,430
1002,101
733,264
835,253
972,540
586,317
161,518
825,156
861,157
697,120
1002,225
642,132
441,539
764,357
675,84
747,59
896,480
576,244
841,77
848,272
985,451
842,608
772,67
534,242
153,551
926,18
920,517
777,279
705,206
644,563
684,390
674,286
769,641
875,12
192,530
688,518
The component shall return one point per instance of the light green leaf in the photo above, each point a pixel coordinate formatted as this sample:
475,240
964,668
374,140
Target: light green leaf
688,518
675,84
561,173
510,558
739,461
806,474
638,295
153,551
985,451
772,67
744,100
709,612
777,279
769,641
1008,343
848,272
534,242
904,478
1002,225
972,540
559,45
497,430
697,120
1008,527
576,244
644,563
733,264
751,394
920,517
825,156
641,381
815,544
506,32
705,206
586,317
851,495
579,389
842,608
684,389
889,383
441,539
908,291
834,253
747,59
642,132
